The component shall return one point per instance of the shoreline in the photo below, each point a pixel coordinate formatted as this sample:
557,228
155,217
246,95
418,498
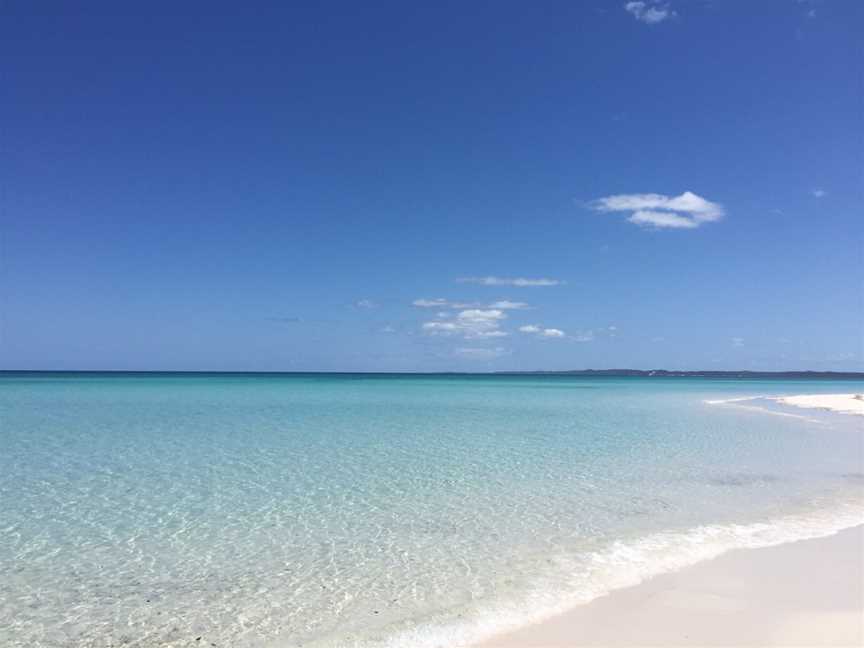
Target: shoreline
567,618
802,593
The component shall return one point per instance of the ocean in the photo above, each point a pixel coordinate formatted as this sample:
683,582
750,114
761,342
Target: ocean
387,510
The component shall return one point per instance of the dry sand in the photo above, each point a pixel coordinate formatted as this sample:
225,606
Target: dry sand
846,403
807,593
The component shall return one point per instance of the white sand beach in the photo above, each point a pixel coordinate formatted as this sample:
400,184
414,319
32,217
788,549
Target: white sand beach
806,593
842,403
846,403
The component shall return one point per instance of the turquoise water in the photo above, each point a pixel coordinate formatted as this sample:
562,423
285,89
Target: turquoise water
386,510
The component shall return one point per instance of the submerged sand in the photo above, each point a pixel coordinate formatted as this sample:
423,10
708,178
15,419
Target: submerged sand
806,593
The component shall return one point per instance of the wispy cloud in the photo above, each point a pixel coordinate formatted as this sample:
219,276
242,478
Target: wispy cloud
472,324
506,304
650,12
811,13
737,342
440,302
365,303
818,193
480,353
520,282
686,211
539,331
303,320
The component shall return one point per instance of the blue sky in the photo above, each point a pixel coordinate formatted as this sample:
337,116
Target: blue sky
354,186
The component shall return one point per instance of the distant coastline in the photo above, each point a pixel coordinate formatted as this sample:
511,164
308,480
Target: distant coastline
672,373
599,373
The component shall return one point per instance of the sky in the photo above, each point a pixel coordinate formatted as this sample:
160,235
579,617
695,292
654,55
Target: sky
447,186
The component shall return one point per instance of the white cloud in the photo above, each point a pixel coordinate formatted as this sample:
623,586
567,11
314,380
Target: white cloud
552,333
472,324
506,304
686,211
440,302
649,12
388,329
482,315
661,219
365,303
540,332
504,281
819,193
583,336
481,354
737,342
441,328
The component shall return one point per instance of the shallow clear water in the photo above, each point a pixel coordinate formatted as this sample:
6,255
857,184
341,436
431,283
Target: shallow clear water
363,510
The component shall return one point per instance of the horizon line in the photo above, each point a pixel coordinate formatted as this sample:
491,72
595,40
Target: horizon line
647,372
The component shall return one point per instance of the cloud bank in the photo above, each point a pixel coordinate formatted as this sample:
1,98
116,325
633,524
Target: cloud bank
687,211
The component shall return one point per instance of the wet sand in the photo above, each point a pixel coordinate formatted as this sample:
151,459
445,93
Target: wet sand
806,593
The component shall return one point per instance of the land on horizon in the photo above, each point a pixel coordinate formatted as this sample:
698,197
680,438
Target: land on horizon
646,373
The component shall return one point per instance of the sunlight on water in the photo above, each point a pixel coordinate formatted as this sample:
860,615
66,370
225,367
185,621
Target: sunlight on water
358,510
